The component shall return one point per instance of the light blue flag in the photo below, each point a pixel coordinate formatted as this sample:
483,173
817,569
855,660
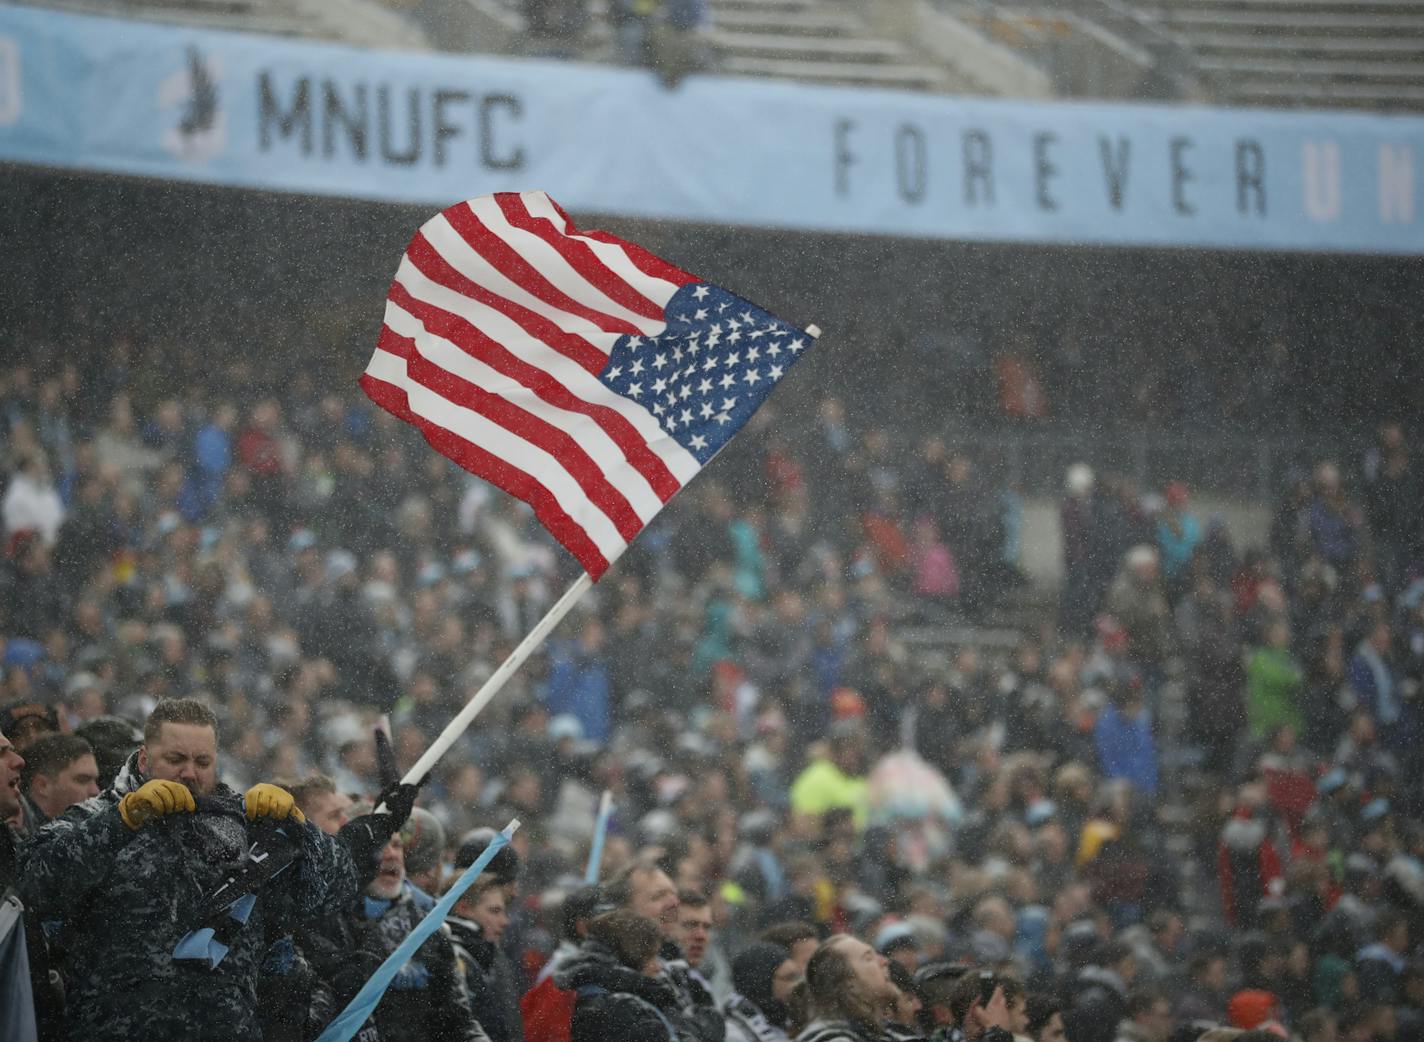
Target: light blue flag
600,832
349,1020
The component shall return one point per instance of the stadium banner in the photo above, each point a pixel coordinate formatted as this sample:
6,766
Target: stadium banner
91,93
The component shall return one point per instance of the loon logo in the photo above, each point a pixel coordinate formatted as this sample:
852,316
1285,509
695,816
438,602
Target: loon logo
200,130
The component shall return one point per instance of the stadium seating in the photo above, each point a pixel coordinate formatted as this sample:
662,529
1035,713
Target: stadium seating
1354,53
819,41
360,22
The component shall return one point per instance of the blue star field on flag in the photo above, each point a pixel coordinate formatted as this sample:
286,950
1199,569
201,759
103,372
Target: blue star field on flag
709,371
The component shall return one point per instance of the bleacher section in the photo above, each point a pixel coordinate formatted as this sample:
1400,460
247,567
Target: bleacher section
814,41
1349,53
366,23
1366,54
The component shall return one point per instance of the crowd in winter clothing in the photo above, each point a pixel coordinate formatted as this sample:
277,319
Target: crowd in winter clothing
836,815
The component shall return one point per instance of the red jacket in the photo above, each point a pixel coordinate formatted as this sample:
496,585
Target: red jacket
548,1012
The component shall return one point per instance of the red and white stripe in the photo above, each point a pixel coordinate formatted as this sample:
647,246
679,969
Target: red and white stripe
501,316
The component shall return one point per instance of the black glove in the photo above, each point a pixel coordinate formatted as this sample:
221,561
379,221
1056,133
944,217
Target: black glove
368,835
399,800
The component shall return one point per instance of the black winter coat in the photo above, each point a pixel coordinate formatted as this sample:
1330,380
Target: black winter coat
426,1002
125,899
489,980
615,1002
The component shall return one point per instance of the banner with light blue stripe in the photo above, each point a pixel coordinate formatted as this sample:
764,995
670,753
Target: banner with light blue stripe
88,93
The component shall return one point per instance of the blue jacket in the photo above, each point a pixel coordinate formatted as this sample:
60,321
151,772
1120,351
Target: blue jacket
578,684
1126,748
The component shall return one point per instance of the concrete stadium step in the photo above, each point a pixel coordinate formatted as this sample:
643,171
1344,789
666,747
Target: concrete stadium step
810,22
1300,69
1381,48
1292,95
912,77
1295,22
791,7
839,49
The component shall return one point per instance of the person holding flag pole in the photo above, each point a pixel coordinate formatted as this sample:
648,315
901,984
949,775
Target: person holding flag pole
574,370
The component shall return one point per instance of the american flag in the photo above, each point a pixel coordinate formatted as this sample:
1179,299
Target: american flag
573,369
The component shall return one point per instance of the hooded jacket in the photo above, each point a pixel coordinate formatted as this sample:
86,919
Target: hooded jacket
489,980
616,1002
753,1014
426,1001
124,898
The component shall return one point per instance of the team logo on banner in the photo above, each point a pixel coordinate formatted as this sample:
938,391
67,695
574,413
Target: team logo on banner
198,131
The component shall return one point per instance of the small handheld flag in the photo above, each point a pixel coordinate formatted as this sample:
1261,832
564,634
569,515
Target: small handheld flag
600,833
574,370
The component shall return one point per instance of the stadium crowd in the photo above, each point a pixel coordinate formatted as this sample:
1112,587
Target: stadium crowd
224,584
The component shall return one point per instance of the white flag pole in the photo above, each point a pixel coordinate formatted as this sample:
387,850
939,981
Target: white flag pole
456,727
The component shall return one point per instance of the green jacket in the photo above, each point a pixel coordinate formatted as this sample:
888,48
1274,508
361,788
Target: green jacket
1273,687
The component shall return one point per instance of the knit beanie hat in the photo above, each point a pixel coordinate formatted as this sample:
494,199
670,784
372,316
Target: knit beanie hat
752,971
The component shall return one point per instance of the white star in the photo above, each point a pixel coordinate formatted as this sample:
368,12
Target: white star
693,347
685,416
728,404
635,342
796,345
685,393
707,411
776,372
753,354
736,335
705,387
659,361
670,400
774,349
615,372
677,354
634,390
723,418
699,314
657,409
636,367
659,385
748,317
698,442
752,376
757,334
733,324
728,380
732,359
721,307
700,293
709,365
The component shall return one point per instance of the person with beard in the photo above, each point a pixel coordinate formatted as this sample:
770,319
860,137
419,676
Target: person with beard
904,1012
849,990
128,874
763,977
616,976
477,925
427,1000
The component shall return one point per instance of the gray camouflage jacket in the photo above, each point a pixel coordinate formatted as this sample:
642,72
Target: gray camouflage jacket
124,899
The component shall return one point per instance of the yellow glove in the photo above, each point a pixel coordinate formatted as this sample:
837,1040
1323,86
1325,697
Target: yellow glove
272,801
153,799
